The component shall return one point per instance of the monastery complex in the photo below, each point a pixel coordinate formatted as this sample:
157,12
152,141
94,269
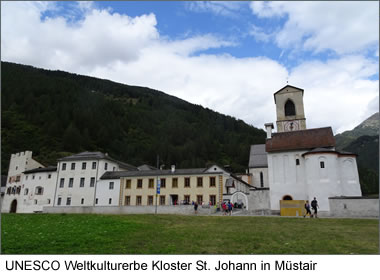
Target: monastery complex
295,164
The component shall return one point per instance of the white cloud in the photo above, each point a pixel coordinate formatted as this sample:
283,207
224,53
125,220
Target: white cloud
339,92
130,50
344,27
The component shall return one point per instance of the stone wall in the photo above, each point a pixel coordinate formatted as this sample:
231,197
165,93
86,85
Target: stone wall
354,207
178,209
259,201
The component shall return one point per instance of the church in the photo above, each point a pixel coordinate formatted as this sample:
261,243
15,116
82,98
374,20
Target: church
297,163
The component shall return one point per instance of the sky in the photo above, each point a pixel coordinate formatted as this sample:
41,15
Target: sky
228,56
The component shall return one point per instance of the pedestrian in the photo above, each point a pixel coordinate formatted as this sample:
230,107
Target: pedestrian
230,208
314,205
195,207
307,207
224,207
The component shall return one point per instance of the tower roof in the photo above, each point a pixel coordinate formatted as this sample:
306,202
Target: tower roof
287,86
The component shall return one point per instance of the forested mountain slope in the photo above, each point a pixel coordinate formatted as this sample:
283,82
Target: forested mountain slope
54,113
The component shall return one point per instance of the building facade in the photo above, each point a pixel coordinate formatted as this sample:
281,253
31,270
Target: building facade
78,177
301,163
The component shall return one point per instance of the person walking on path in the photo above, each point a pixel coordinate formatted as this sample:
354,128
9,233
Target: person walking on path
314,205
230,208
195,207
307,207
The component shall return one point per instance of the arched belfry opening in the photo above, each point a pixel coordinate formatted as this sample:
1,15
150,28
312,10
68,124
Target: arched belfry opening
290,109
287,197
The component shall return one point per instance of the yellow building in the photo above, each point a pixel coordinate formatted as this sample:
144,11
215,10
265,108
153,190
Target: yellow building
177,186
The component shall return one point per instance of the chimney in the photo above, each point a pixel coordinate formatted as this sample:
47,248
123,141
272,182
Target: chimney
173,168
268,128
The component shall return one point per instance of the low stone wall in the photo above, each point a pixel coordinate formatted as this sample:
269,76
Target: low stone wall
177,209
354,207
259,202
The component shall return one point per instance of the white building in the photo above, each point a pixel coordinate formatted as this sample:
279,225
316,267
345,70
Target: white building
78,177
300,163
14,194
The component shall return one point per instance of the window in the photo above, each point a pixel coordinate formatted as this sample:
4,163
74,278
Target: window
82,201
127,200
35,201
138,200
111,185
63,166
128,184
68,201
26,178
73,166
39,190
59,202
163,183
187,182
71,182
290,109
151,183
261,179
16,167
200,199
150,199
61,182
96,201
26,191
48,201
17,178
322,164
213,199
212,182
94,165
297,161
114,168
162,200
92,182
110,201
175,183
33,177
105,166
84,165
187,199
49,176
199,182
81,182
139,183
18,190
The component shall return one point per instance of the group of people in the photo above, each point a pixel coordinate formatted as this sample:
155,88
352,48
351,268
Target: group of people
314,205
227,208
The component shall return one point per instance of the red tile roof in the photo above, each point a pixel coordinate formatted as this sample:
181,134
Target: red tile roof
301,139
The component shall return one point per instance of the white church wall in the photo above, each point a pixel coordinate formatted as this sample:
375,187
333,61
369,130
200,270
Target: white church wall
286,177
256,181
350,184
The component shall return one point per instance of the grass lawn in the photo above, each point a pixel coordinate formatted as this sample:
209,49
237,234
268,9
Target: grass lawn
172,234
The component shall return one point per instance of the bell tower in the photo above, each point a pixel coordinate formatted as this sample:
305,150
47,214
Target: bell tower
289,109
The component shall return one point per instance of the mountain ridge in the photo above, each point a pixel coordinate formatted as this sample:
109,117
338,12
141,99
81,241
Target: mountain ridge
55,113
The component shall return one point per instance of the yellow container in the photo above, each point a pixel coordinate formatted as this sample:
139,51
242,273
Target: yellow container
292,208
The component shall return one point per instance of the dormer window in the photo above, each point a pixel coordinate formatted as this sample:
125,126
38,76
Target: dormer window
290,109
